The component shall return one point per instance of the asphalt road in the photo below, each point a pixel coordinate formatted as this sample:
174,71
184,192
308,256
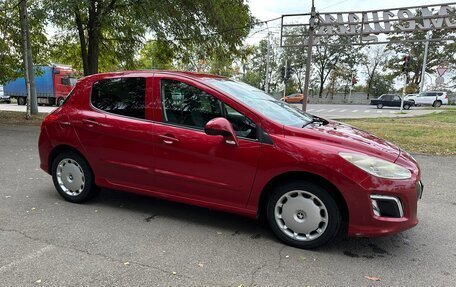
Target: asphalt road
121,239
322,110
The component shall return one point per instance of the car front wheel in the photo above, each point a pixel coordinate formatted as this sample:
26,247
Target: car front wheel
303,214
379,106
73,178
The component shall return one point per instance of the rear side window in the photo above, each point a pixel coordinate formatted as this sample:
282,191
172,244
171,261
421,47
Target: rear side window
122,96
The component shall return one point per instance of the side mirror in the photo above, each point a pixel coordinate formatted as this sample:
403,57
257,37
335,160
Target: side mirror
222,127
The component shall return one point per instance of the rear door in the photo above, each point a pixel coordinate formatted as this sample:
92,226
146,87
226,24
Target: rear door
116,132
396,102
387,100
192,164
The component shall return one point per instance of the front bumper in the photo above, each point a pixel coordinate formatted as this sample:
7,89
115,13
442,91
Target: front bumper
367,222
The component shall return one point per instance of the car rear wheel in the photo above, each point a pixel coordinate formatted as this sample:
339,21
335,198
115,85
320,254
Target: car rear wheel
437,104
303,214
406,106
379,106
73,178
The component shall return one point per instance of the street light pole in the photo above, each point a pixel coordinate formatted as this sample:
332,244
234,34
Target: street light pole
423,69
266,84
309,56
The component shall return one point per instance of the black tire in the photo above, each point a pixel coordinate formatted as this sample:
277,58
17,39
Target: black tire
334,219
21,101
406,107
60,101
437,104
379,106
89,189
8,102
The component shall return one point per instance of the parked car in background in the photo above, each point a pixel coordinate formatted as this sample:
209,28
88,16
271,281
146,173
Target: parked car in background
53,83
434,98
3,97
217,143
293,98
391,100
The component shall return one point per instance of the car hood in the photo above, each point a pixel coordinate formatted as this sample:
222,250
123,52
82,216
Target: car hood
348,137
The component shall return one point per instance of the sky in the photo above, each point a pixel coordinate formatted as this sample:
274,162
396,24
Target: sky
269,9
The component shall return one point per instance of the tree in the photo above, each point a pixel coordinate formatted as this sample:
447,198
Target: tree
11,60
118,27
381,84
155,55
374,59
255,67
438,52
331,52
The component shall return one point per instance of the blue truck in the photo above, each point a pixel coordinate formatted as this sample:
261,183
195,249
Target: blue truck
53,84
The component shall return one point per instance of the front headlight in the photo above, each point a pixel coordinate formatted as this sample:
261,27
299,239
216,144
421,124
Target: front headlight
377,167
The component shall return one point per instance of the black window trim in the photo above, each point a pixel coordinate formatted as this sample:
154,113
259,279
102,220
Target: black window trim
119,115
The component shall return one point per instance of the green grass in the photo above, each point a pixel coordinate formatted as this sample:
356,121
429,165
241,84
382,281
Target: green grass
430,134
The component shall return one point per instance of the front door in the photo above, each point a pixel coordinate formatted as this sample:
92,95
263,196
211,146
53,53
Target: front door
190,163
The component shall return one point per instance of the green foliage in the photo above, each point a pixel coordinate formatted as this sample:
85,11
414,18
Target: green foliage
111,32
335,51
11,61
438,52
155,55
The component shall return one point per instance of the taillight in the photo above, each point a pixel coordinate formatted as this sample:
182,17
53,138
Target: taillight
446,97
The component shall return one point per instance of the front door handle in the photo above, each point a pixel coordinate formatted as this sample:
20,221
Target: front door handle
168,139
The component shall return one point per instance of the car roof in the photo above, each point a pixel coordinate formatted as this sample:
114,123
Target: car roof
145,73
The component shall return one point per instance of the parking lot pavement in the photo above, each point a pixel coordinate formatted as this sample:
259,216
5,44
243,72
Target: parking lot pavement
16,108
123,239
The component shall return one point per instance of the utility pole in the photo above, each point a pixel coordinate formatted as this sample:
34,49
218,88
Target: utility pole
266,84
285,79
309,55
32,107
423,69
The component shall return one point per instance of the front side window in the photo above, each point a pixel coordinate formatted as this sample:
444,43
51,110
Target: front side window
242,125
122,96
186,105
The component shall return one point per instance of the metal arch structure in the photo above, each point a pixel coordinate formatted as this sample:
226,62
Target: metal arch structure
363,27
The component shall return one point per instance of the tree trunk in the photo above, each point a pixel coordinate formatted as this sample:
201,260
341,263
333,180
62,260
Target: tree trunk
82,41
32,107
93,31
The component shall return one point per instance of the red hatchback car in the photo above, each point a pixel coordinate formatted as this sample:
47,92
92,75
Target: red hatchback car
217,143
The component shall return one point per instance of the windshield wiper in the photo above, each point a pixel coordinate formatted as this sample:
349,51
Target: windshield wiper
316,120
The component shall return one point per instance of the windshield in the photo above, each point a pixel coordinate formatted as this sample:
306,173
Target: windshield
263,103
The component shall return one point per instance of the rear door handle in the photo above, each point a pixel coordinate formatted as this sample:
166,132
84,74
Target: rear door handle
90,122
168,139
